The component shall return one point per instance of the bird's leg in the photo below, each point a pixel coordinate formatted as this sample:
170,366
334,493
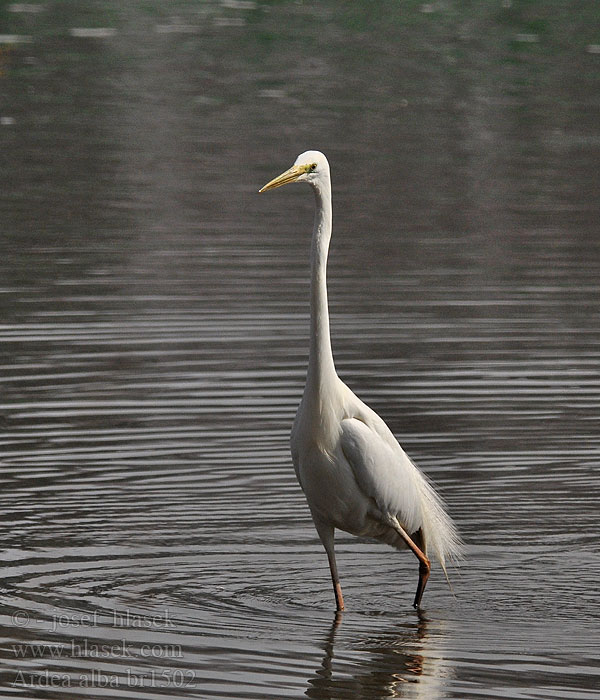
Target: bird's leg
424,569
326,532
424,563
335,579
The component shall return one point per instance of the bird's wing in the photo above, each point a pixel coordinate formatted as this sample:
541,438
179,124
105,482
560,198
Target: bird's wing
383,472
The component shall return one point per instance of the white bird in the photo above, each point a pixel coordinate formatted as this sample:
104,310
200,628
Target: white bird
355,475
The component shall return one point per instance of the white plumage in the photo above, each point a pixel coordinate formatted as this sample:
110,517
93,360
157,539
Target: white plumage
355,475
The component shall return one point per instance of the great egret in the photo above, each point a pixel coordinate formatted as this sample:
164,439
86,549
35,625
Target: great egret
355,475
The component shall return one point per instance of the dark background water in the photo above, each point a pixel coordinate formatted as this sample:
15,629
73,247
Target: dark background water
154,336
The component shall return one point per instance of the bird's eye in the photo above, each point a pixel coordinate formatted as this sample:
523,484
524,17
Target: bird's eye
313,167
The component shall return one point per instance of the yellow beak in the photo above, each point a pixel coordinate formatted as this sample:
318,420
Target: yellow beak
288,176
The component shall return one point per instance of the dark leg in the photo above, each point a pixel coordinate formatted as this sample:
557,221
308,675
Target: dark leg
337,588
424,563
326,531
424,569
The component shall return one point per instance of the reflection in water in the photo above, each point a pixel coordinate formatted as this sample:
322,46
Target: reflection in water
403,662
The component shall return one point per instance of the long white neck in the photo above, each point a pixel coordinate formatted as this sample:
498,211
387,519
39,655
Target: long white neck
320,361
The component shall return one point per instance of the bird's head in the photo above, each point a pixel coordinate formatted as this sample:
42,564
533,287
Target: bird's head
310,166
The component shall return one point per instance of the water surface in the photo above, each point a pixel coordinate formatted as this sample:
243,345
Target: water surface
153,344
